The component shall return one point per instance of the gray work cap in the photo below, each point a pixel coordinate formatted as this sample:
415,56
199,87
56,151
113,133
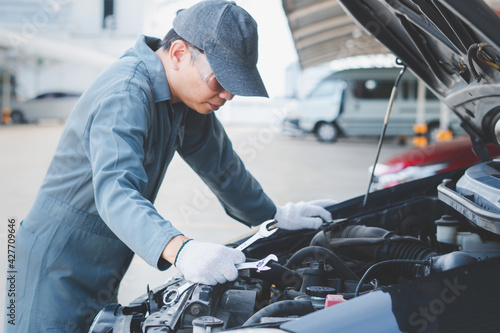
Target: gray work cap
228,36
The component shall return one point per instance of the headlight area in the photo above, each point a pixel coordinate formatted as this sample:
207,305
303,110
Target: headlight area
391,175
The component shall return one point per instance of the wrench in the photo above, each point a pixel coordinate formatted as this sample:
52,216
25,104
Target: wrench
171,296
259,265
263,232
175,294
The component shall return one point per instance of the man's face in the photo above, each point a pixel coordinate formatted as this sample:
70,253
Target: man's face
199,88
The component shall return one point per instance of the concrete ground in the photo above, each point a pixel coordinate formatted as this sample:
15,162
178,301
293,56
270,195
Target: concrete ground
289,169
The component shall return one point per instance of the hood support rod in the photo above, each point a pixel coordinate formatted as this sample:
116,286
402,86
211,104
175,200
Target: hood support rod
384,128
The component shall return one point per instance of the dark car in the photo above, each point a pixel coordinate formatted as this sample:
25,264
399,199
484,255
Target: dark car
422,256
426,161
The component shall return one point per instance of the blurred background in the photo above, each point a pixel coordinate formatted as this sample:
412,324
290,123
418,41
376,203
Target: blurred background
51,50
50,47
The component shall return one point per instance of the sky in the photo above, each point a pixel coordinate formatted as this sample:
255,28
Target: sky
276,48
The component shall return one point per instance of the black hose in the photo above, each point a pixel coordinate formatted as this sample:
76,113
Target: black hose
281,309
279,275
290,293
372,243
321,253
361,231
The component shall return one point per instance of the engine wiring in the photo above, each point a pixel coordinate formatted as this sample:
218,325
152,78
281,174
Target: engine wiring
386,262
481,56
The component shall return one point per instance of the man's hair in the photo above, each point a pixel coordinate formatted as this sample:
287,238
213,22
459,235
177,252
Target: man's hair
171,37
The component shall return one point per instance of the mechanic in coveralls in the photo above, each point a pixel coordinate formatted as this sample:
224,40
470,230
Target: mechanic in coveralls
95,207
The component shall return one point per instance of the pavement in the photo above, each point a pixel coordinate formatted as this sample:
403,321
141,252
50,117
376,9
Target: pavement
289,169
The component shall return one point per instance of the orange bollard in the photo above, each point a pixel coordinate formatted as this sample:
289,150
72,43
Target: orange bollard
6,119
420,140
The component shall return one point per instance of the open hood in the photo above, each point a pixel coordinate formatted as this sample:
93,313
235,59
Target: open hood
452,45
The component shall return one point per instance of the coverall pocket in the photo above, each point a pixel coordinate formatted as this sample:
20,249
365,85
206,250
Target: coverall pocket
63,243
24,263
81,274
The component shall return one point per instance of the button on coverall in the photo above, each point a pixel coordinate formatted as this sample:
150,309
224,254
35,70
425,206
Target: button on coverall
95,207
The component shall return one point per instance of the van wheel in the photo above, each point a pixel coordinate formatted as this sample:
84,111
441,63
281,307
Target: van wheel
17,117
327,132
432,132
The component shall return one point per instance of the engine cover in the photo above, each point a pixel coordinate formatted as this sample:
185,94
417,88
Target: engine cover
476,195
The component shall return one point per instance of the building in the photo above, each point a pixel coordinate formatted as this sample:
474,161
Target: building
62,45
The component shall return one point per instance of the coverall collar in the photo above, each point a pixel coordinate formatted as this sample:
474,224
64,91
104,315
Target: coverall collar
145,48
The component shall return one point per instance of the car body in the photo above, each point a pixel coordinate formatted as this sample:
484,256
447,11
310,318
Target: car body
426,161
50,105
422,256
353,102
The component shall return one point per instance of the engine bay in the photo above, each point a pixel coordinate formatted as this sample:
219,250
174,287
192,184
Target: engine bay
414,231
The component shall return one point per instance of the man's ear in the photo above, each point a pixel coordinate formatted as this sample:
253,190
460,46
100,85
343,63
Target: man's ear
178,53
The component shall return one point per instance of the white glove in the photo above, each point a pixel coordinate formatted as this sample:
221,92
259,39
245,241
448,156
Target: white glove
303,215
208,263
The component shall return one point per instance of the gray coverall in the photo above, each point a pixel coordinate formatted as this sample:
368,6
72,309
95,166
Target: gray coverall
95,207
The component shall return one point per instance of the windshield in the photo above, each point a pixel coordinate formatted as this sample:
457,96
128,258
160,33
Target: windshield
328,88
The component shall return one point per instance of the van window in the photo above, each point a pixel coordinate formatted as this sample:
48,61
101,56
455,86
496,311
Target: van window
372,89
326,88
407,90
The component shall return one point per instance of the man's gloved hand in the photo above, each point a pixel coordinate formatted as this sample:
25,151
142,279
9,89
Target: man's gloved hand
208,263
303,215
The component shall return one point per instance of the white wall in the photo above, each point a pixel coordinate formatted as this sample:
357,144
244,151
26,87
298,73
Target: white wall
74,23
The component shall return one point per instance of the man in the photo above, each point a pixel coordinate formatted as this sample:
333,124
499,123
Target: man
95,209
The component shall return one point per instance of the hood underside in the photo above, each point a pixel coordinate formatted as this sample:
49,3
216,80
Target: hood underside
452,45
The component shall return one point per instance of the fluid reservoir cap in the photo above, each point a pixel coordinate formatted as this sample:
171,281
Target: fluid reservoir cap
207,321
319,291
447,221
333,300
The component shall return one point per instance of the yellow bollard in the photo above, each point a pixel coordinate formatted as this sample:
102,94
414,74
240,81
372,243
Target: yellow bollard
444,135
420,140
6,119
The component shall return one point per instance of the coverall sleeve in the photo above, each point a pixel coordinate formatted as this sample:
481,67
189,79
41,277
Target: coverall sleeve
209,152
116,137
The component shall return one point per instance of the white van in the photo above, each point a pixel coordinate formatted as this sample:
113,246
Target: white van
353,102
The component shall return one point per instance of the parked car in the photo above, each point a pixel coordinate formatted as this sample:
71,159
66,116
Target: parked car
426,161
51,105
422,256
353,102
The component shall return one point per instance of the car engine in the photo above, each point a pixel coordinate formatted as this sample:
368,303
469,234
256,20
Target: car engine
400,234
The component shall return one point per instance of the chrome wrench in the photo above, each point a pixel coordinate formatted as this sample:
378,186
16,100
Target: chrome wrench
171,296
260,265
265,230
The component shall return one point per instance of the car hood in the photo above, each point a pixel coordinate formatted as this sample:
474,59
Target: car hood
452,45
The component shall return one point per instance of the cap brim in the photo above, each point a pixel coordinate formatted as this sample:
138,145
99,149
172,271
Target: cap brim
236,79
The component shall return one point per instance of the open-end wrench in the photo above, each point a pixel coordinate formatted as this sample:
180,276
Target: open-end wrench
265,230
171,296
259,265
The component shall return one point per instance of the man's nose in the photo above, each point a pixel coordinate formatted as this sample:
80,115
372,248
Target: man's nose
226,95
